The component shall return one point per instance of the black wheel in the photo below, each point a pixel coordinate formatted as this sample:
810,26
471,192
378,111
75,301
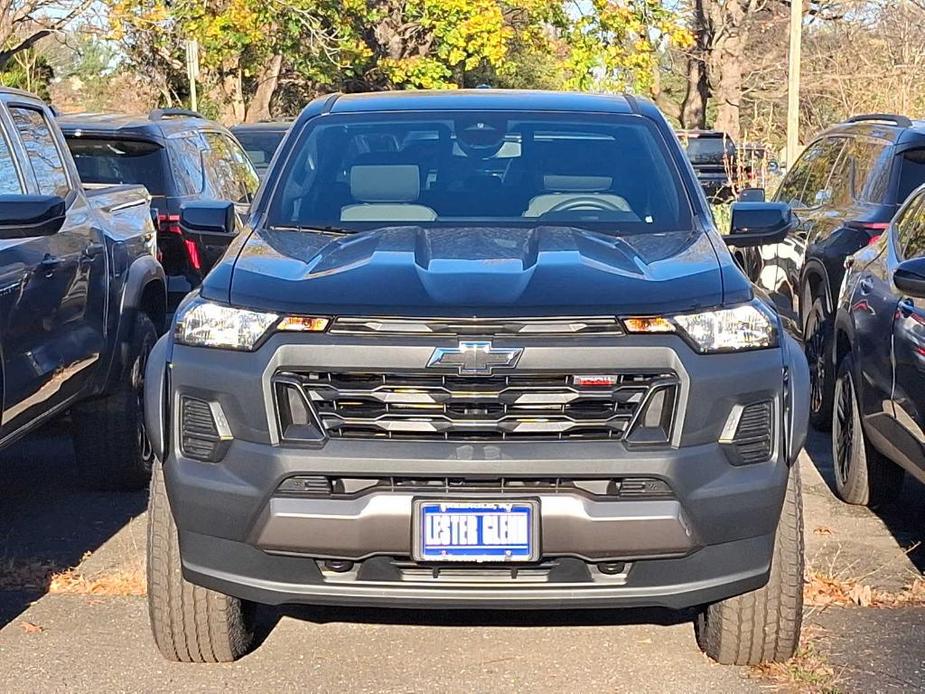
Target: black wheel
764,625
863,475
190,624
112,447
817,343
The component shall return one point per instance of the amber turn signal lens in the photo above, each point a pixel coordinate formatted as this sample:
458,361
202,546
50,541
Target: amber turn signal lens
651,324
304,324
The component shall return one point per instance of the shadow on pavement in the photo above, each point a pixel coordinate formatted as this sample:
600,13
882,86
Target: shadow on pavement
47,520
905,517
480,618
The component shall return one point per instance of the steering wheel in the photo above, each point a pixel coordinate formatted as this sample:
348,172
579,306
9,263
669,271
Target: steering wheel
587,202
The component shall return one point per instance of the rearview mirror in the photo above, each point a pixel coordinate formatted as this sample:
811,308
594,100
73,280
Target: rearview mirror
22,216
211,225
759,223
909,277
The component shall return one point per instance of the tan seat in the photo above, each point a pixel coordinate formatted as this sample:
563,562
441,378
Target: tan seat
386,193
577,190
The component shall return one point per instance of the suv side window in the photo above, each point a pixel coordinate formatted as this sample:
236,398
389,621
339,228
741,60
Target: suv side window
811,173
871,170
821,163
224,175
44,156
10,182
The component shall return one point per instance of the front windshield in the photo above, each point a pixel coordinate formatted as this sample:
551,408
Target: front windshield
365,171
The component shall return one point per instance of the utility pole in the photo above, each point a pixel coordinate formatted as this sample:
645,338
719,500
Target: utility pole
192,71
793,81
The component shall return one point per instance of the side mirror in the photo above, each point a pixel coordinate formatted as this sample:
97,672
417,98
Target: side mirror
751,195
909,277
211,225
22,216
759,223
208,218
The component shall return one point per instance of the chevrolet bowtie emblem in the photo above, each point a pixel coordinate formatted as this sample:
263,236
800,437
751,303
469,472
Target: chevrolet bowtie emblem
475,358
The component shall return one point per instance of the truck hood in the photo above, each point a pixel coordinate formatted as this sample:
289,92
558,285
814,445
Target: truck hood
456,272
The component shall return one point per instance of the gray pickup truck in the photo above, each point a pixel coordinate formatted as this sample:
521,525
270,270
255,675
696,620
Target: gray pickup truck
82,298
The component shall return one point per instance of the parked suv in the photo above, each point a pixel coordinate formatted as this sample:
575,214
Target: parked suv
844,188
878,427
712,153
478,349
179,157
82,300
260,141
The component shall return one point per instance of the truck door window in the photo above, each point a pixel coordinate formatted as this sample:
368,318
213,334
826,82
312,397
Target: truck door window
911,230
44,156
10,183
186,164
223,174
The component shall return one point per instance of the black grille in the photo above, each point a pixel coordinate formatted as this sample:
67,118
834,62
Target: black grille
753,437
352,487
433,406
199,435
476,326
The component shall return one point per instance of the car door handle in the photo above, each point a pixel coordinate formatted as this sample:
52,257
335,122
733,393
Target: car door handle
93,250
906,307
48,264
865,285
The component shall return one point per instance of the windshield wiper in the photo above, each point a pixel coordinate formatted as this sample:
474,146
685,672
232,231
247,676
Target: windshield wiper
328,229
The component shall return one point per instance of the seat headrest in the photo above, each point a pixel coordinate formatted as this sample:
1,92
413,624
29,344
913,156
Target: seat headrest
385,182
562,183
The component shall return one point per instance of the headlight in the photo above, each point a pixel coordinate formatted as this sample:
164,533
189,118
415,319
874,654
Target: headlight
202,323
749,326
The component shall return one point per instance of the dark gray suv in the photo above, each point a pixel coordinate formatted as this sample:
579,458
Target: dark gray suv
478,349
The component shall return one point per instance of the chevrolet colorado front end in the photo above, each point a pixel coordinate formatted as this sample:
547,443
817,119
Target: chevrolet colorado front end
481,349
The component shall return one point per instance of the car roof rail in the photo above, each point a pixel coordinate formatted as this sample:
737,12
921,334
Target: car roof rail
162,113
901,121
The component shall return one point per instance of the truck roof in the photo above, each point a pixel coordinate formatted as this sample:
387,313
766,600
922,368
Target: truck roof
484,100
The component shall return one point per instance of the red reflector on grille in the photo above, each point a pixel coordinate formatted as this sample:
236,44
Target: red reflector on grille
595,381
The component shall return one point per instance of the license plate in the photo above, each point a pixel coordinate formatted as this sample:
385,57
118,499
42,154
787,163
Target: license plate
467,531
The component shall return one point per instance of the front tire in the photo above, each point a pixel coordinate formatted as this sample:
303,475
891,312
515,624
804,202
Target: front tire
763,625
817,344
190,624
863,475
110,441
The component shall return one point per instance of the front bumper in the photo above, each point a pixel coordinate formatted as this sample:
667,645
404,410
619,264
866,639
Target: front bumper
711,538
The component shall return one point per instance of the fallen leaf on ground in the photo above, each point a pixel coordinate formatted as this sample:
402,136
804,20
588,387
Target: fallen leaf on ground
31,628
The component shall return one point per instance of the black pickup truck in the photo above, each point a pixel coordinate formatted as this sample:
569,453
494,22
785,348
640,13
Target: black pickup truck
82,298
481,349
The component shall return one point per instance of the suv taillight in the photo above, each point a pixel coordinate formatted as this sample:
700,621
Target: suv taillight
873,229
170,224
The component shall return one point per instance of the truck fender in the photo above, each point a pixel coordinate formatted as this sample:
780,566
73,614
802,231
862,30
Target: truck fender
155,399
144,272
796,396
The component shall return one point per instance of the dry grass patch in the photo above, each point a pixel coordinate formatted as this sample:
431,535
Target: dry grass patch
807,671
821,590
125,581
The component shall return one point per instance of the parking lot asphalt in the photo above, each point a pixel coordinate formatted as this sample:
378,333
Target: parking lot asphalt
58,633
